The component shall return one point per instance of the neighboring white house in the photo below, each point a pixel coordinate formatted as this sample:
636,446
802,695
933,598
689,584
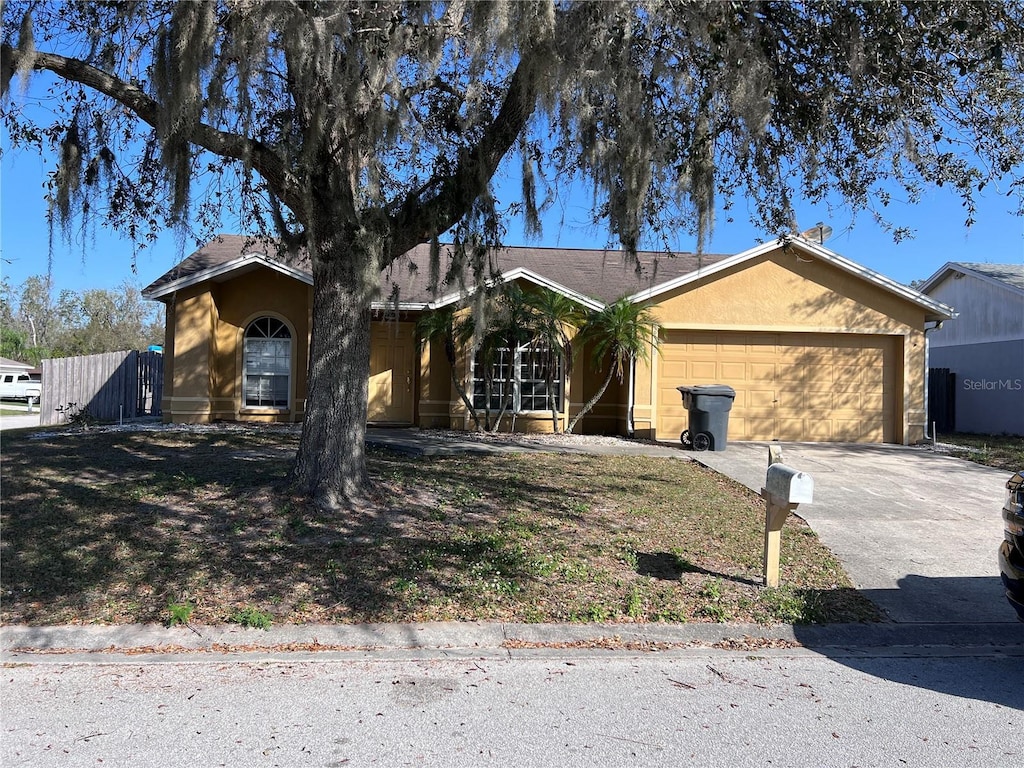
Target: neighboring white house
13,366
984,346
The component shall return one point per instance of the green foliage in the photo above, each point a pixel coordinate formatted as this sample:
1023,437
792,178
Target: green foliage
76,415
1001,451
554,319
507,324
618,334
713,606
508,318
635,603
593,612
13,345
180,613
95,320
251,618
786,605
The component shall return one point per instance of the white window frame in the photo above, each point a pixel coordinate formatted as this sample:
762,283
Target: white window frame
520,361
275,330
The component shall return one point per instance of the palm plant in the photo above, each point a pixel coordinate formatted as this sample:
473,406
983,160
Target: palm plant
621,332
454,333
554,314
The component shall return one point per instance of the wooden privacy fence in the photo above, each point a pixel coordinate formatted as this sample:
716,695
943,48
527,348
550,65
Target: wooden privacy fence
942,400
110,386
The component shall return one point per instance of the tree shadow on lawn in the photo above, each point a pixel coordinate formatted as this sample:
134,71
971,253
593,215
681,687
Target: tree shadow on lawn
111,527
669,566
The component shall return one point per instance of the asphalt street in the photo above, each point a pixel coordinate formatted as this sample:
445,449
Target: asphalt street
705,708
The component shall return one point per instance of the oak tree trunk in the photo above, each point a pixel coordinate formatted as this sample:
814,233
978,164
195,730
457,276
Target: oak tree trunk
330,466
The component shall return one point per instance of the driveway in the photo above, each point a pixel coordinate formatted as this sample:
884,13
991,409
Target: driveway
917,531
20,421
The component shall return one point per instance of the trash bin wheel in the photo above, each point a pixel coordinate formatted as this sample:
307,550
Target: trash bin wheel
685,438
701,441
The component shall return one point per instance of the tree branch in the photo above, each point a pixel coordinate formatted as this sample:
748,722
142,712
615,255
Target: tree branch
417,220
222,143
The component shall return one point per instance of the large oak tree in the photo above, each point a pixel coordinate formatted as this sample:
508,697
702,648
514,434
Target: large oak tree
356,130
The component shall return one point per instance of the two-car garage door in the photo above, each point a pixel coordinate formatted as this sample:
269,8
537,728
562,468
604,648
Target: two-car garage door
789,386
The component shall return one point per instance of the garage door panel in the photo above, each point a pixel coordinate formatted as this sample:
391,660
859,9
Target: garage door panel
818,430
872,401
789,429
845,376
755,429
788,386
857,431
703,370
794,374
733,370
818,401
846,401
668,375
728,345
758,398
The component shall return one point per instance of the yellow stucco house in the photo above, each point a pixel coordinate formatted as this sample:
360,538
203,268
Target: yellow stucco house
817,347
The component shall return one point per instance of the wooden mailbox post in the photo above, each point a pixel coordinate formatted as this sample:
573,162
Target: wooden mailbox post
784,490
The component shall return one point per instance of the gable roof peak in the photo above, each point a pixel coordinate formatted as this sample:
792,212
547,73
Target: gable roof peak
1009,276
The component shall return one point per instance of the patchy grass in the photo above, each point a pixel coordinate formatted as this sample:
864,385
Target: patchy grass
1000,451
115,527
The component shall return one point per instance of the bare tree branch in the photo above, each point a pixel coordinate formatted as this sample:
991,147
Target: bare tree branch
222,143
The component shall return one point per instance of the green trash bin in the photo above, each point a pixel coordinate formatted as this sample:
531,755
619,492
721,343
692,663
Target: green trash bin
708,407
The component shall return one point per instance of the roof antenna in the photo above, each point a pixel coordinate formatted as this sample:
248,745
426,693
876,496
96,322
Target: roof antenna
819,233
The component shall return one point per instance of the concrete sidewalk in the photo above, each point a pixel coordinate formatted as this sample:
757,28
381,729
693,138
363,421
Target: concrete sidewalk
478,640
916,531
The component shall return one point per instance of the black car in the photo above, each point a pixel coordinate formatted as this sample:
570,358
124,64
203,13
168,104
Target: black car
1011,551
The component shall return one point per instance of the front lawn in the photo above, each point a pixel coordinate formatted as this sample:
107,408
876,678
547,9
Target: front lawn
1000,451
120,527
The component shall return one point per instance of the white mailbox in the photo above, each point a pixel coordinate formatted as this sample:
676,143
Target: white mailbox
786,485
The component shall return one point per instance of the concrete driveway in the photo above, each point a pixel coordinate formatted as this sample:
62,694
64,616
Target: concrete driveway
20,421
917,531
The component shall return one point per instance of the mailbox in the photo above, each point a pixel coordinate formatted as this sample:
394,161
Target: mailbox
788,486
784,489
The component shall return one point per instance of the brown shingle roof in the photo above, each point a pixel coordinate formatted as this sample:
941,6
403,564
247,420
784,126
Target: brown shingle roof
604,275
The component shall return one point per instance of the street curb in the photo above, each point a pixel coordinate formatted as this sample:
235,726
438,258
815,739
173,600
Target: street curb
139,642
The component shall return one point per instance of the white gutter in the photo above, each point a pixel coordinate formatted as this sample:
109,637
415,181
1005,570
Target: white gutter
927,414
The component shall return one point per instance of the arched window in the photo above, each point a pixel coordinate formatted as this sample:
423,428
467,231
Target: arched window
268,363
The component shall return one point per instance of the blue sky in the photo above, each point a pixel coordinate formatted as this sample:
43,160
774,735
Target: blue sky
938,220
